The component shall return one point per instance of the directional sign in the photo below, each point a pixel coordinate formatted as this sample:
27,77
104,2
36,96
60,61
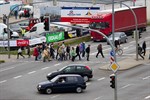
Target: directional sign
114,66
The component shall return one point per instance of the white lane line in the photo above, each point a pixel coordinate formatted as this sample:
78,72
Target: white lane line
148,97
6,69
146,77
88,83
44,68
126,47
54,96
32,72
3,81
17,76
97,98
101,78
57,64
126,86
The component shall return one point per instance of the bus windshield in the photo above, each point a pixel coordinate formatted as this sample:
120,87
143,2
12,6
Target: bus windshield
99,25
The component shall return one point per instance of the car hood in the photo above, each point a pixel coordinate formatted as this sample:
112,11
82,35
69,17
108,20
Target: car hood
53,73
15,34
45,83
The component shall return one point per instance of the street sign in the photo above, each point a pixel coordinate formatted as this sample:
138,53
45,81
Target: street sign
114,66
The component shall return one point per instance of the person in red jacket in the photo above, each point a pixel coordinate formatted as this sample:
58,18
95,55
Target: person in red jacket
36,53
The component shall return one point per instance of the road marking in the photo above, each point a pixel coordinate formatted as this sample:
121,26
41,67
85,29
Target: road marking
6,69
32,72
97,98
146,77
17,76
44,68
126,86
126,47
54,96
101,78
147,97
3,81
57,64
88,83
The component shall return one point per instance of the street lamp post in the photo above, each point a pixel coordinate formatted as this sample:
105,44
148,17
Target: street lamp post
136,29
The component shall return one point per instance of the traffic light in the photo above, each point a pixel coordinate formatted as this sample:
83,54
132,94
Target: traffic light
46,24
112,81
140,35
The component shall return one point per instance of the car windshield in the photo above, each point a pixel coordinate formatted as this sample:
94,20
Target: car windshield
116,35
54,79
99,25
15,26
62,68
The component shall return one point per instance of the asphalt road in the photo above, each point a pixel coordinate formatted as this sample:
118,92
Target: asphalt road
18,79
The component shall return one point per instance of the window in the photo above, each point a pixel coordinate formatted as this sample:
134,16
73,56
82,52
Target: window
72,79
99,25
33,29
69,69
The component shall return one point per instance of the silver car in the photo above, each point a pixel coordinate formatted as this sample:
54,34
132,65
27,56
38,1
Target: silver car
120,36
15,27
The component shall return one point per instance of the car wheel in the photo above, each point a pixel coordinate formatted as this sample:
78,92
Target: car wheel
48,90
78,89
85,78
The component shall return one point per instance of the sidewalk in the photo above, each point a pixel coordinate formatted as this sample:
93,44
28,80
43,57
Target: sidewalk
128,63
13,20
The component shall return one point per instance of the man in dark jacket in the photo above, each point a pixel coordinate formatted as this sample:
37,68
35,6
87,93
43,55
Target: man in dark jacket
140,51
88,52
78,52
144,48
99,48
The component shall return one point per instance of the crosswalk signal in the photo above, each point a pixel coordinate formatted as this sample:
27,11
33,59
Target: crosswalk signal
46,24
112,81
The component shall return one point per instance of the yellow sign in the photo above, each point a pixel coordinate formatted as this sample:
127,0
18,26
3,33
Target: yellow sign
114,66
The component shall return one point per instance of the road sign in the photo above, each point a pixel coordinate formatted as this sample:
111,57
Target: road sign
114,66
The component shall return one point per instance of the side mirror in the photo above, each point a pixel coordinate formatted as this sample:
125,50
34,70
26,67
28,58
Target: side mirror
5,30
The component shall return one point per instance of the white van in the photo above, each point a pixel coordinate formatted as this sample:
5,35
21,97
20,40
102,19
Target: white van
37,30
3,35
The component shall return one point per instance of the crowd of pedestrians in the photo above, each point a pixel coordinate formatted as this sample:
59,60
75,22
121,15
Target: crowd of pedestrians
63,52
46,52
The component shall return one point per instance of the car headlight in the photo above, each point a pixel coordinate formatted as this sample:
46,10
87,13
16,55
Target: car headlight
49,74
39,86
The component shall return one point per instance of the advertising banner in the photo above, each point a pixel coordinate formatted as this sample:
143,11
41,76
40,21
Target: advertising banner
54,37
78,15
22,43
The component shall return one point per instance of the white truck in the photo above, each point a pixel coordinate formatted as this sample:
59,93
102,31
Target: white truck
37,30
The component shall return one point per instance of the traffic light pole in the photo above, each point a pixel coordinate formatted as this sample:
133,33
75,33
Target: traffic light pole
8,32
113,27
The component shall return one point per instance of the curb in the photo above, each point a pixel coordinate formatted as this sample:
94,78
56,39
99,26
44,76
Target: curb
126,64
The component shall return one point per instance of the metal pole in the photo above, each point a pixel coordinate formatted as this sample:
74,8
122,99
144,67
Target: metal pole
133,2
120,4
113,27
8,31
145,3
136,30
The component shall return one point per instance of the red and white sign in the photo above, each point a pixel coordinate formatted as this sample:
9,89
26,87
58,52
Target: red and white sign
22,43
78,15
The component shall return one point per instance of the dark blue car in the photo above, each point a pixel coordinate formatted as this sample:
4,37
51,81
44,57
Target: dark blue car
63,83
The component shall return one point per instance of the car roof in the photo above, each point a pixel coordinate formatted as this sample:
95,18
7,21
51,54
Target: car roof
65,75
76,64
